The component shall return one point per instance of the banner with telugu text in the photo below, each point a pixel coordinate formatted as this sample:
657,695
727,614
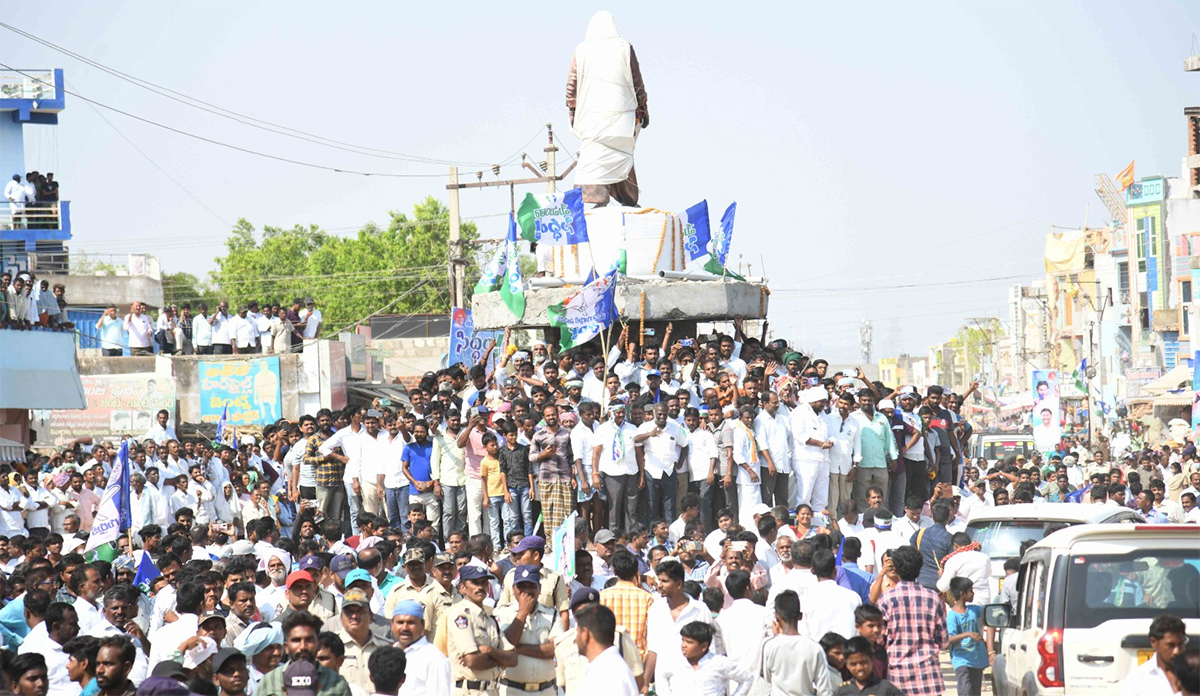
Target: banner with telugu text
250,388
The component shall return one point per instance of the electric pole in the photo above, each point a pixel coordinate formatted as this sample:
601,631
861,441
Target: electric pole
456,260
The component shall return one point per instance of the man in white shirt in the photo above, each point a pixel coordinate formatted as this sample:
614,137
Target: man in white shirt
591,504
827,605
615,458
202,331
967,561
12,503
701,463
846,451
670,612
773,430
427,672
664,449
607,674
1168,636
61,625
311,319
913,520
14,193
810,454
140,330
222,336
244,332
696,669
744,625
161,430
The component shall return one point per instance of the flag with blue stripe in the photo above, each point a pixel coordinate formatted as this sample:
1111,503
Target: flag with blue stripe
696,232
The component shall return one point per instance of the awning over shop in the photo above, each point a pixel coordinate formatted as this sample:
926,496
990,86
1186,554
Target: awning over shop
1179,376
39,371
11,451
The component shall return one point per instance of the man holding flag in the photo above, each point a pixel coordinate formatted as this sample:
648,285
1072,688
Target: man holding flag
113,515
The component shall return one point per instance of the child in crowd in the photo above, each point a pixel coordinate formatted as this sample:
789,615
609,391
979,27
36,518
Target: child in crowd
868,620
832,644
698,672
968,651
863,681
494,485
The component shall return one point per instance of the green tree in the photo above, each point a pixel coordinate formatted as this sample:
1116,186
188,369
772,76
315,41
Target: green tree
398,269
179,288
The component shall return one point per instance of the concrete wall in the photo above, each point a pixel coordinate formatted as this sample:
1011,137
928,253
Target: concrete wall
406,357
666,300
102,290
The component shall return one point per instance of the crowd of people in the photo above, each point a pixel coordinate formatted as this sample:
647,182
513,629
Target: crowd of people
33,202
744,522
27,303
269,328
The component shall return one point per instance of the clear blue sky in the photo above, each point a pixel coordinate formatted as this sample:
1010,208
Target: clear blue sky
865,143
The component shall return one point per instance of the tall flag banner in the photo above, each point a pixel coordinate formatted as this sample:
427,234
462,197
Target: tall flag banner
493,271
553,219
696,233
722,250
113,515
146,573
221,426
1080,376
562,559
582,316
513,289
1125,178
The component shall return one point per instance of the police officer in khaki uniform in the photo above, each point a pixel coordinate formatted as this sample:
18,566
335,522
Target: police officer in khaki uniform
571,666
437,596
554,593
530,628
416,567
473,638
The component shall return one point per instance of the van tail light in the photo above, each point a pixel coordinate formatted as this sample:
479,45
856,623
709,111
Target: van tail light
1049,649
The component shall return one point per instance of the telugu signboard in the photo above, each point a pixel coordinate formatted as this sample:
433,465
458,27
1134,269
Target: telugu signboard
250,388
117,405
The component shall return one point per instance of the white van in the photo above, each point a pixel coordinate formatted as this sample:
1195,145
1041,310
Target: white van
1086,597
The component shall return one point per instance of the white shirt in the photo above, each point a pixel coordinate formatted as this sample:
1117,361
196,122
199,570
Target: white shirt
744,627
11,521
775,435
614,462
661,452
14,191
166,640
1147,679
140,330
427,672
36,517
662,631
347,440
829,607
808,425
103,629
973,565
220,329
243,331
56,661
582,446
795,665
159,434
875,542
375,453
746,451
798,580
202,333
847,447
89,614
711,676
312,322
906,528
608,675
702,450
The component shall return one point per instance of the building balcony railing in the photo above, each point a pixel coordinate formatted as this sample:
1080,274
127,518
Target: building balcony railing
35,222
28,84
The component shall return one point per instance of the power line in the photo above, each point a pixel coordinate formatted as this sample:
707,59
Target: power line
1024,276
243,119
230,146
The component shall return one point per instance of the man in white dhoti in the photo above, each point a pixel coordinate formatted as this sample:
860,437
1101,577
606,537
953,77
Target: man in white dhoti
607,100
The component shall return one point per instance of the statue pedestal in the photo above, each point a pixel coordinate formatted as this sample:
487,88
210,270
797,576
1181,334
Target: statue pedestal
652,239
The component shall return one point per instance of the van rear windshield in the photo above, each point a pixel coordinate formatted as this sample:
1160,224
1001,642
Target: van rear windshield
1141,584
999,449
1001,539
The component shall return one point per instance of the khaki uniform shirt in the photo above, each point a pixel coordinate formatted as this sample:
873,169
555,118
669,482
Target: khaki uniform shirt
555,592
437,600
405,590
354,668
469,626
571,666
542,626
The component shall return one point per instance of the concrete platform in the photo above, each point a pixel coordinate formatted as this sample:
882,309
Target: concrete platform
666,300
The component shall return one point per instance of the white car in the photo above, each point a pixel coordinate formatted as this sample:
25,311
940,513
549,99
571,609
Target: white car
1000,531
1086,597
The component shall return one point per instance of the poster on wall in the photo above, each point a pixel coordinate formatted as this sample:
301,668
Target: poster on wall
117,405
1046,414
250,388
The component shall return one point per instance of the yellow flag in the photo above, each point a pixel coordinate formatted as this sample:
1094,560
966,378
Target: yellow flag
1125,178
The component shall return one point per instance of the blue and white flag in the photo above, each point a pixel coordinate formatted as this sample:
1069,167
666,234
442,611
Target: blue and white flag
696,232
146,573
722,250
584,315
553,219
113,515
221,424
